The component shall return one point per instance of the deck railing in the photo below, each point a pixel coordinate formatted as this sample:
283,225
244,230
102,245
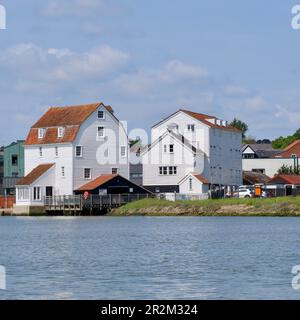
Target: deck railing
92,202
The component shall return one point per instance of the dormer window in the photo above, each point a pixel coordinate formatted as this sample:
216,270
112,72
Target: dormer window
101,114
41,133
60,132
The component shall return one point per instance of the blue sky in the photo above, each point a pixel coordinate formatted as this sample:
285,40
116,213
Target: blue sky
228,58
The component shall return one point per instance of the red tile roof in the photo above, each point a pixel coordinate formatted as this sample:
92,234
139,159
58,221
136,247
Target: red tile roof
201,178
204,119
70,118
35,174
97,182
51,136
285,179
292,149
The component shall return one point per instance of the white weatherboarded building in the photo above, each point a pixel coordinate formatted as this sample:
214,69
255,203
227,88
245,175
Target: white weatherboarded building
66,148
188,143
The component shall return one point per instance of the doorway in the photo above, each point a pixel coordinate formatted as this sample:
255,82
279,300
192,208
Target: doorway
49,191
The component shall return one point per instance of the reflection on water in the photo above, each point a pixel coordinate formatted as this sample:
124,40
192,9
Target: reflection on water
149,258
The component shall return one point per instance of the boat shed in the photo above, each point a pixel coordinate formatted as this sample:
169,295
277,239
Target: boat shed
111,184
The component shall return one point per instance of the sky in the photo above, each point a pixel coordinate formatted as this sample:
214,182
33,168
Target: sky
227,58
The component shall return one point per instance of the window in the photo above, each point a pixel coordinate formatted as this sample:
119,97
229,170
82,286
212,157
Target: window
23,194
56,151
41,133
294,156
41,151
123,152
78,151
115,171
167,171
191,127
100,132
101,114
14,160
259,170
165,148
87,173
171,148
36,193
60,132
63,174
191,184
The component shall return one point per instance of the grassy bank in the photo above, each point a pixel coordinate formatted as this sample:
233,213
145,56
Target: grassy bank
287,206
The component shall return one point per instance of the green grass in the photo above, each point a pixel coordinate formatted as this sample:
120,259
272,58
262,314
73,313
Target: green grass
284,206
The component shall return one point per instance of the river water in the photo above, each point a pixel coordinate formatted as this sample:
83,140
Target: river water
149,258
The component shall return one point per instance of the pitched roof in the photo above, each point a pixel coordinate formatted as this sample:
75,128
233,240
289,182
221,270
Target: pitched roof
285,179
70,118
97,182
262,150
198,176
293,148
251,177
204,118
67,116
179,137
34,174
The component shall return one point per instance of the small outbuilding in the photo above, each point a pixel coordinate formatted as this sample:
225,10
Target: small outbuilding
193,183
111,184
285,184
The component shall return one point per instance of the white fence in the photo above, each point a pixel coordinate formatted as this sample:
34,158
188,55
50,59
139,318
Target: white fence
181,197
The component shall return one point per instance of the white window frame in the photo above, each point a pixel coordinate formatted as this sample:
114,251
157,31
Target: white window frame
63,172
41,151
123,154
103,112
23,194
56,151
39,198
191,127
103,136
81,151
115,171
84,176
173,147
41,133
190,184
60,132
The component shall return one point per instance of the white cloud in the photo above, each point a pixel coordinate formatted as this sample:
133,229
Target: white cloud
145,80
33,65
292,117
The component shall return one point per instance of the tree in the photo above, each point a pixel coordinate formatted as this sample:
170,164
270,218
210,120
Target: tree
242,126
283,142
289,170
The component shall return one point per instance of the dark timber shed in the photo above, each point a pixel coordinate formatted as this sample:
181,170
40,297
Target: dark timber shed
111,184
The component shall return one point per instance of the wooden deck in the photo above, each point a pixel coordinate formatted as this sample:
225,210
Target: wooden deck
93,205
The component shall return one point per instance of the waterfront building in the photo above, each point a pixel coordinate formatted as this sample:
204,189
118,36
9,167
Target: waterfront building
1,170
13,166
186,143
68,147
266,160
136,166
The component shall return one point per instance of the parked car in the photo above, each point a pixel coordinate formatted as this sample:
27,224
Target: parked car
243,193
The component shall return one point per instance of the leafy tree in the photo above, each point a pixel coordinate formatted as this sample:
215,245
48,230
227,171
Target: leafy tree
242,126
283,142
289,170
